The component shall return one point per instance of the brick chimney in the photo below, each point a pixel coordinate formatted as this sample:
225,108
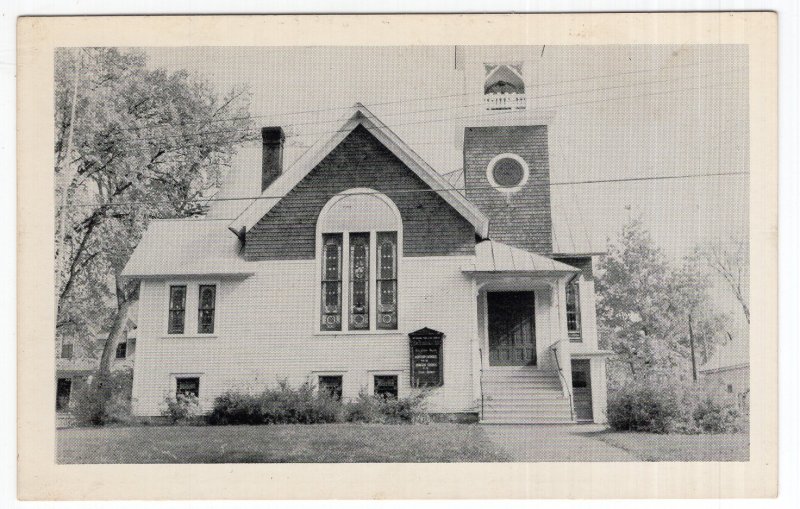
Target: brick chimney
271,155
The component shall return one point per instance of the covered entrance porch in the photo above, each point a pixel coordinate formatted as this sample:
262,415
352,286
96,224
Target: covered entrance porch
520,299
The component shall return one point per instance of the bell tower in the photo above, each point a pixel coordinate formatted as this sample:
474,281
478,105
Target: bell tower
507,175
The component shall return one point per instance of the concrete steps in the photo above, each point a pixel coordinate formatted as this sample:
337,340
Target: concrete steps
524,396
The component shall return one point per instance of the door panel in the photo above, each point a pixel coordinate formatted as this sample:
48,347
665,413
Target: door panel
512,328
63,390
582,390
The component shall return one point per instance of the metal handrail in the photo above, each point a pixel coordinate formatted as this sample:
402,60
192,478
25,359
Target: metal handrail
564,382
480,379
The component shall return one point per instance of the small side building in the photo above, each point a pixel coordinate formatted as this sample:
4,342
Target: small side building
77,362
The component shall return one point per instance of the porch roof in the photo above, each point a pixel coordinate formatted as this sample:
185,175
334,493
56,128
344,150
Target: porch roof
493,256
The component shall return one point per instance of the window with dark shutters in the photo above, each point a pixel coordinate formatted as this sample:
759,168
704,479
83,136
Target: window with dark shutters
207,306
177,309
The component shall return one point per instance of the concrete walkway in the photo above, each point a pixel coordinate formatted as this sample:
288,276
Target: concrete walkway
554,442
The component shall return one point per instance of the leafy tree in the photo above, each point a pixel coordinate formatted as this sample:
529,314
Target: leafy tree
133,143
655,317
730,260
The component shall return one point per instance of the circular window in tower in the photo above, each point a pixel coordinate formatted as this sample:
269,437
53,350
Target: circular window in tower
507,172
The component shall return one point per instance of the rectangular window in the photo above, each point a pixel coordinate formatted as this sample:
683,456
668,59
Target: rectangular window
187,386
122,350
387,280
359,281
331,385
66,351
177,309
207,303
573,310
331,315
386,386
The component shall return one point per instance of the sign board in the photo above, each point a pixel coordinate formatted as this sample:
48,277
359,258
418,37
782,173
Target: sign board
427,368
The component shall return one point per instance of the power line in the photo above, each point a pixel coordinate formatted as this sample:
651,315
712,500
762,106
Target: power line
422,98
460,189
431,110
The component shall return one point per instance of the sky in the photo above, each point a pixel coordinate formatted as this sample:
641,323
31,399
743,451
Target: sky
613,112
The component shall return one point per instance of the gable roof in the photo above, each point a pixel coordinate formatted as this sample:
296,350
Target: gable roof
359,115
493,256
186,247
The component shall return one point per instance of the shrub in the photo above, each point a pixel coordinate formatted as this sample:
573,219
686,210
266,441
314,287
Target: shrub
365,408
305,405
714,416
181,409
105,400
643,407
283,405
410,409
236,408
375,409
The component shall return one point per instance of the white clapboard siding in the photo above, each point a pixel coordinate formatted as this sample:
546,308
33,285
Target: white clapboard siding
266,331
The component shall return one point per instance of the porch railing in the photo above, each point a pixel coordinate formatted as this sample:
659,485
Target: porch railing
504,101
561,356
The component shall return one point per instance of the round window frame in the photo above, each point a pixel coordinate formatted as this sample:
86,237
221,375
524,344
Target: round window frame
507,189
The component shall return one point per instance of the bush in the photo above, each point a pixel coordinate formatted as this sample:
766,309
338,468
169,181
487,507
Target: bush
105,400
375,409
670,407
642,407
405,410
713,416
283,405
365,408
236,408
304,405
181,409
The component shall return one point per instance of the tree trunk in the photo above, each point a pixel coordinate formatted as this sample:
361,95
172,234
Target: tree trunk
691,346
125,297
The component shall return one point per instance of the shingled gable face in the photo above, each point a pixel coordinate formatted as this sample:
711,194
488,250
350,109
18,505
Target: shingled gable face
432,227
507,175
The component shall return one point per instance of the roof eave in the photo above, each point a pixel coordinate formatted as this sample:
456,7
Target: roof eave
360,115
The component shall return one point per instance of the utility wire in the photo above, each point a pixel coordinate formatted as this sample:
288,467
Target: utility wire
423,98
460,189
447,108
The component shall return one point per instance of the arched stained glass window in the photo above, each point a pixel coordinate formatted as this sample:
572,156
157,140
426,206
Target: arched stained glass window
387,280
360,233
331,282
359,281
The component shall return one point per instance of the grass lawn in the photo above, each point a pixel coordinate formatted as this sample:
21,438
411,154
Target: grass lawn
321,443
651,447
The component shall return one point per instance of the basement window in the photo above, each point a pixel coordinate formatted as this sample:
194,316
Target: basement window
331,384
386,386
188,386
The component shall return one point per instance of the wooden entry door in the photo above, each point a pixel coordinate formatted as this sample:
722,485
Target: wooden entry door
512,328
582,390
